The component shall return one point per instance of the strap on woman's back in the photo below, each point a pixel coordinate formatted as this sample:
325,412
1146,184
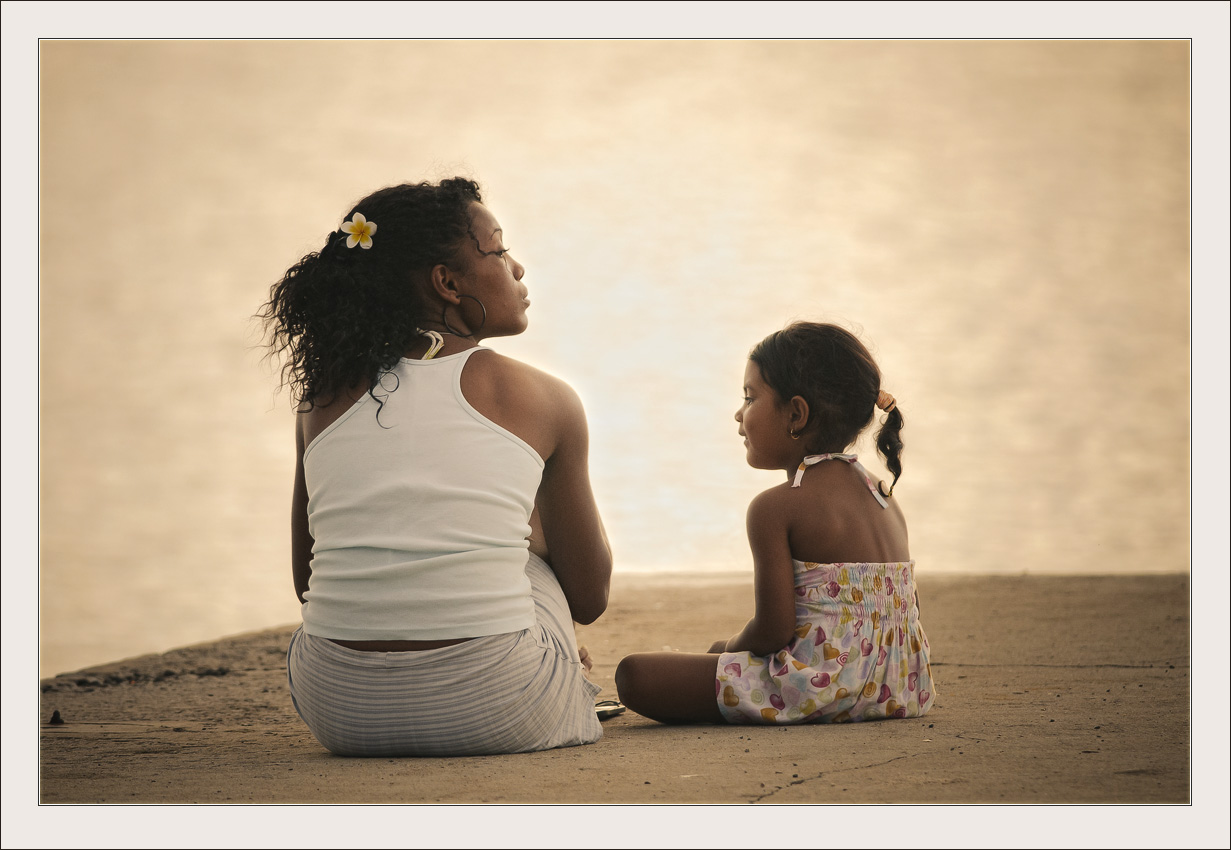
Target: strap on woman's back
852,459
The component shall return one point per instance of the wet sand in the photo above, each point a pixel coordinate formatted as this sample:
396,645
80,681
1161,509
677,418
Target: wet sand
1042,699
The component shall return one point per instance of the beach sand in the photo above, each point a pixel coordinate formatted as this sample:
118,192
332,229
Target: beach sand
1042,697
1055,690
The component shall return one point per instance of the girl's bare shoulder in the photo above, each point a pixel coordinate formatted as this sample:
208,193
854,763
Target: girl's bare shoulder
778,501
819,501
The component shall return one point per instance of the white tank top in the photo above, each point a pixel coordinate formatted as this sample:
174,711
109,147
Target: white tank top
420,514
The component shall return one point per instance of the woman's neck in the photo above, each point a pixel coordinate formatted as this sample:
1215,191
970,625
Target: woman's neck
452,344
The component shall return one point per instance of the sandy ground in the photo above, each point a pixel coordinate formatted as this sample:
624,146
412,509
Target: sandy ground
1043,698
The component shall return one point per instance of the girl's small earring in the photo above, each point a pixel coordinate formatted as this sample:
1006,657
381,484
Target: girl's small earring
794,436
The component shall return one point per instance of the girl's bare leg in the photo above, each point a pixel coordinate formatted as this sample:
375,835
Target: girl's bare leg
671,687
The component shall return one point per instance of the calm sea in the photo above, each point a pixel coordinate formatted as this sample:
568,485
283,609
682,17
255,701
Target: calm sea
1005,223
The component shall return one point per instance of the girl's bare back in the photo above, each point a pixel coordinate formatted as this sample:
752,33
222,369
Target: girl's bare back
833,518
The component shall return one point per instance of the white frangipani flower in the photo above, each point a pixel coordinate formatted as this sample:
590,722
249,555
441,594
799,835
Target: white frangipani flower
360,230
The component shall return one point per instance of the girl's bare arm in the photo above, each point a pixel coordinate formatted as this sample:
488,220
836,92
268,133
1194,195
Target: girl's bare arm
773,622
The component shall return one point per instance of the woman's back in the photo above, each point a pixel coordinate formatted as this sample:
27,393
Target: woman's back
415,497
434,479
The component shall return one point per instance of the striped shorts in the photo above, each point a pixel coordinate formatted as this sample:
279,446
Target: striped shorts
508,693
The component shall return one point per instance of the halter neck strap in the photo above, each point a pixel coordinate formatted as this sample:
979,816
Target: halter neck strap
852,459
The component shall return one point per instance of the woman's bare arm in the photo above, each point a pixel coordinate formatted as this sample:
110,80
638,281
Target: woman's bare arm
547,413
572,528
301,540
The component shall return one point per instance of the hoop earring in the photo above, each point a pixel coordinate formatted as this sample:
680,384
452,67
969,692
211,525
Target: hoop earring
444,320
794,436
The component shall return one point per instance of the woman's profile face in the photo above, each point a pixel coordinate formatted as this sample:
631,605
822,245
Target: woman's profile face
490,274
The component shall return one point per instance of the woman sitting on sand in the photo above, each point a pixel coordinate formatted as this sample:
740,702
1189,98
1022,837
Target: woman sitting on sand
836,634
444,531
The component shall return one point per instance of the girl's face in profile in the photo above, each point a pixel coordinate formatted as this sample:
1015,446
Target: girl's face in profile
765,424
494,277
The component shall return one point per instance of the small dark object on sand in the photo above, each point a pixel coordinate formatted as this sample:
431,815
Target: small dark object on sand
56,719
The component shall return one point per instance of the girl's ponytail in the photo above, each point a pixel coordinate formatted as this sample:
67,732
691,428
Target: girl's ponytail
889,443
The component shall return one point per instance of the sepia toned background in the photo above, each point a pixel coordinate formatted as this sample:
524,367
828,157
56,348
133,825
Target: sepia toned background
1006,223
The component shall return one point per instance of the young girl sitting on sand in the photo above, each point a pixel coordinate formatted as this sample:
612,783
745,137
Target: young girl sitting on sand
836,635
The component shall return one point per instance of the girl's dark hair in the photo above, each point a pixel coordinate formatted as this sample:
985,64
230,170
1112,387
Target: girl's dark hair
832,370
341,316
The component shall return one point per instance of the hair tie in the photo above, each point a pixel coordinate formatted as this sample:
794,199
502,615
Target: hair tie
331,241
885,401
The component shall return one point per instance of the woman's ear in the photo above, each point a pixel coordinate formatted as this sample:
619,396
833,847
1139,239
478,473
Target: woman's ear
444,284
797,411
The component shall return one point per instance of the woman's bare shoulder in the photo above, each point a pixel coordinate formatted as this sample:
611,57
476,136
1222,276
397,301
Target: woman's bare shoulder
538,407
517,382
313,418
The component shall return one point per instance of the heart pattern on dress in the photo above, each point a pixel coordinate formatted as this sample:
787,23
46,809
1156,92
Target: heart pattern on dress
843,613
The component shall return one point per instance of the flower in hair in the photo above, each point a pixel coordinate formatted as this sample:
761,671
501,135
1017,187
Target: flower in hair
360,230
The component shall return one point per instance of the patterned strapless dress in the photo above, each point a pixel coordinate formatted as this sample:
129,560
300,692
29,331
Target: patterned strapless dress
859,651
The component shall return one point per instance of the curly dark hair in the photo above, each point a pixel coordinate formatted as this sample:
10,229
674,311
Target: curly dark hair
341,316
834,372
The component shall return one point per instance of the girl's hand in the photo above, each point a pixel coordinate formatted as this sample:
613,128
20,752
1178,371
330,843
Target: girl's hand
584,657
718,646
